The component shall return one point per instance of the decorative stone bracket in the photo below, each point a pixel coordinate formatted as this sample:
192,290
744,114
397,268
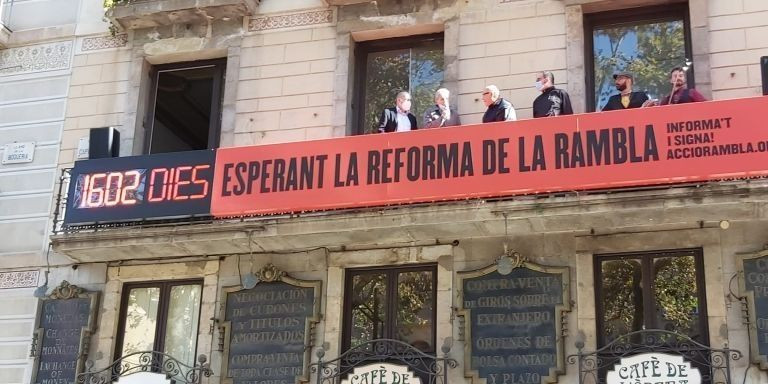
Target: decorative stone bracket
146,14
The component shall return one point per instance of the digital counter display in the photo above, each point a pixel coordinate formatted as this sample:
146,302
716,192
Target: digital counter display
141,187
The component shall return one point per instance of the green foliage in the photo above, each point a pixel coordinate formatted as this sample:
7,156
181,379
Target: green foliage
674,300
658,47
370,309
416,70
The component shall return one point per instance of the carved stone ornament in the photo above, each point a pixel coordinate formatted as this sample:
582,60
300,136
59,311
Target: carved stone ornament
517,259
270,273
66,291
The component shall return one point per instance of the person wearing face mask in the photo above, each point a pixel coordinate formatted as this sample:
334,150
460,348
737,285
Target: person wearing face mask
626,99
680,92
441,114
552,101
399,118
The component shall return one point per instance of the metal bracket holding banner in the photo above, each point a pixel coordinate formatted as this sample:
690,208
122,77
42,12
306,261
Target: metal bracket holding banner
753,285
514,321
65,321
271,324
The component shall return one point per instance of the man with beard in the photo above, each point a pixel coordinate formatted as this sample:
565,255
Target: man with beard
680,92
626,99
552,101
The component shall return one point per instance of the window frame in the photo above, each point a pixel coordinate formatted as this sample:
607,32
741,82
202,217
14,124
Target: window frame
391,273
217,92
632,16
162,311
362,50
646,258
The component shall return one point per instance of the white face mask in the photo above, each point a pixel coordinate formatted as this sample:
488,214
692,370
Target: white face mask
539,85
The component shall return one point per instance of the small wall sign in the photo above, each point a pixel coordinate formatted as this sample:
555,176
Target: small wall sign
381,373
16,153
655,368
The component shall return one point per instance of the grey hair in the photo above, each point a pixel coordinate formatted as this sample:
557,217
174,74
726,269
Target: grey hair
402,95
549,75
494,90
444,92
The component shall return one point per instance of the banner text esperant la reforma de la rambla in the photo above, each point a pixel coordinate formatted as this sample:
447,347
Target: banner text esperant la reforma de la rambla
682,143
649,146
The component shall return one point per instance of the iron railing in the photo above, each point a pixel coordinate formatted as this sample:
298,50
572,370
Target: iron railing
150,362
430,368
714,364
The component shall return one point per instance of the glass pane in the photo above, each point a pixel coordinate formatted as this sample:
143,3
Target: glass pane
415,309
417,70
622,297
182,325
140,320
386,74
426,76
183,108
369,307
649,50
676,301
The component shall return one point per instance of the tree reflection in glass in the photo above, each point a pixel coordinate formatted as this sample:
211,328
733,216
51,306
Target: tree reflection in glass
140,320
622,297
675,293
406,297
415,309
649,50
369,314
418,70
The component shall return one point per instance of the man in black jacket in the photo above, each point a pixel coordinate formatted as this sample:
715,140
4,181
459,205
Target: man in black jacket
398,118
626,99
498,108
552,101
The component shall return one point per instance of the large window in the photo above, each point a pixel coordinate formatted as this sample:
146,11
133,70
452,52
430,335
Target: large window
184,111
651,290
160,316
385,67
648,42
392,303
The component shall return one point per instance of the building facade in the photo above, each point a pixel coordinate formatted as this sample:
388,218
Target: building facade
182,76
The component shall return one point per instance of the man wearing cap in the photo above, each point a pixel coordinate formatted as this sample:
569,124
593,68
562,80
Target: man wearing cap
626,99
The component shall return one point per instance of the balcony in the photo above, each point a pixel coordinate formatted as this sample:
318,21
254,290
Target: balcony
152,13
675,167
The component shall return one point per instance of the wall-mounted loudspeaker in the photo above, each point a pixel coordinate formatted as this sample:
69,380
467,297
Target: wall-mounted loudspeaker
764,70
104,142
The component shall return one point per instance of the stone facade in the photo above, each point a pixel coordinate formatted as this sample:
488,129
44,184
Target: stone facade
290,77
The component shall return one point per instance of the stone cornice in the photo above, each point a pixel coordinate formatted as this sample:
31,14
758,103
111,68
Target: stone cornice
667,208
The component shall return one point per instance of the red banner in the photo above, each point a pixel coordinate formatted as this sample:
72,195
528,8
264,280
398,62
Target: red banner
660,145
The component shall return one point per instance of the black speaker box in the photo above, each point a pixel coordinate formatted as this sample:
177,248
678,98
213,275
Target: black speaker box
764,70
104,142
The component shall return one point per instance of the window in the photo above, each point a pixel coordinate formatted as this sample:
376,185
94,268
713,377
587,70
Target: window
184,111
385,67
648,42
652,290
160,316
391,304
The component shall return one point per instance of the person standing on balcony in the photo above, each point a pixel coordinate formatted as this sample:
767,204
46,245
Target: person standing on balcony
626,99
399,118
441,114
680,92
552,101
498,108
